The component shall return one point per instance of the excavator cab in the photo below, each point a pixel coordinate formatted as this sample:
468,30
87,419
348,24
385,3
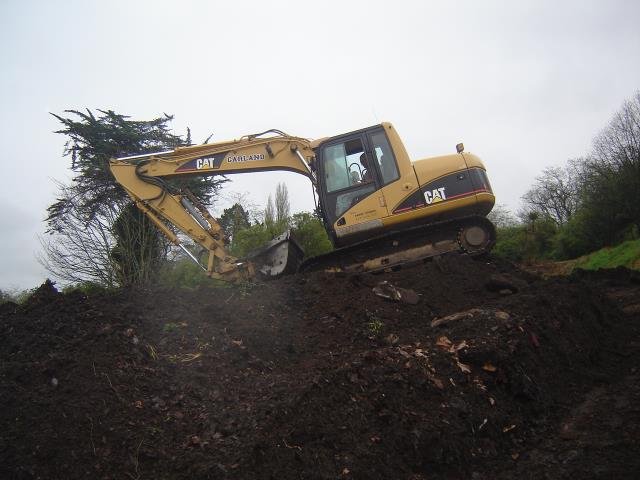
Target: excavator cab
352,170
368,186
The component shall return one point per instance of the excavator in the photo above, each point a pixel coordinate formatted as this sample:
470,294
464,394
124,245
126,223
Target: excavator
380,209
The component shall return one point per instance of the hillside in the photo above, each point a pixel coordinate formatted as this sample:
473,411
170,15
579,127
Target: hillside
493,374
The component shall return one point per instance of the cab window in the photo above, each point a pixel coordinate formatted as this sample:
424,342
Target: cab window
345,165
384,157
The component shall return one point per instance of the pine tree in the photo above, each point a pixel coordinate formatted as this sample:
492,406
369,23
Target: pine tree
95,201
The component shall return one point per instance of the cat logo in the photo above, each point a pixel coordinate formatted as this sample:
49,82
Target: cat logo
434,196
205,162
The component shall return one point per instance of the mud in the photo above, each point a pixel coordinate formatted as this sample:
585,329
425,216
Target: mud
315,376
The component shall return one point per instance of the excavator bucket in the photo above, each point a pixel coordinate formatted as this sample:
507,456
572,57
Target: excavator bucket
280,256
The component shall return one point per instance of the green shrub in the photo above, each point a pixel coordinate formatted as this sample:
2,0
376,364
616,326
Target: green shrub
185,273
510,243
88,288
309,232
244,241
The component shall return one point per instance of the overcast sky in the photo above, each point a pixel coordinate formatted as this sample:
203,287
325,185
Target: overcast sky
523,84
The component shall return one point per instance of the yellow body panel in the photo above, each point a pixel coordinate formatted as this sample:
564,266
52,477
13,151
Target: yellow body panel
396,191
429,169
365,215
473,160
414,216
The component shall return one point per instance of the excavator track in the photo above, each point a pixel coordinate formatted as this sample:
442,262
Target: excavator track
473,235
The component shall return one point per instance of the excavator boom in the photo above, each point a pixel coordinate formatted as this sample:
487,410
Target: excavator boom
142,177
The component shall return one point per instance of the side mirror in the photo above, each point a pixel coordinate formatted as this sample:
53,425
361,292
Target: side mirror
460,147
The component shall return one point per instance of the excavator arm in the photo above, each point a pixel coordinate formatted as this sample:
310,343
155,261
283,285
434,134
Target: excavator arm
143,178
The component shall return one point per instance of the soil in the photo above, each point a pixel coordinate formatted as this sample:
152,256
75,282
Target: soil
315,376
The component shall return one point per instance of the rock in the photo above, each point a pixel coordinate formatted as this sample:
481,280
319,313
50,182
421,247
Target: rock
456,316
391,292
392,339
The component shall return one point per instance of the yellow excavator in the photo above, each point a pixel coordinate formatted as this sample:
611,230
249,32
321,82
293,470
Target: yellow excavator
380,209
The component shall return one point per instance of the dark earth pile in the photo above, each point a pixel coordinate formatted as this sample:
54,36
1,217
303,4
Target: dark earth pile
318,377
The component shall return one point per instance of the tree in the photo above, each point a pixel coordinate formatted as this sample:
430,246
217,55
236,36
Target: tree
276,215
83,218
510,234
590,203
244,241
611,184
234,219
282,204
138,253
554,194
254,210
501,216
269,214
306,228
310,234
510,243
539,234
81,251
276,218
574,239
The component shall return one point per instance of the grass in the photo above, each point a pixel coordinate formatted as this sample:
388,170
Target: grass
626,254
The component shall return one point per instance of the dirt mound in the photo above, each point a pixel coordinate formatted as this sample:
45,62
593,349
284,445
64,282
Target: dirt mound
493,373
43,295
